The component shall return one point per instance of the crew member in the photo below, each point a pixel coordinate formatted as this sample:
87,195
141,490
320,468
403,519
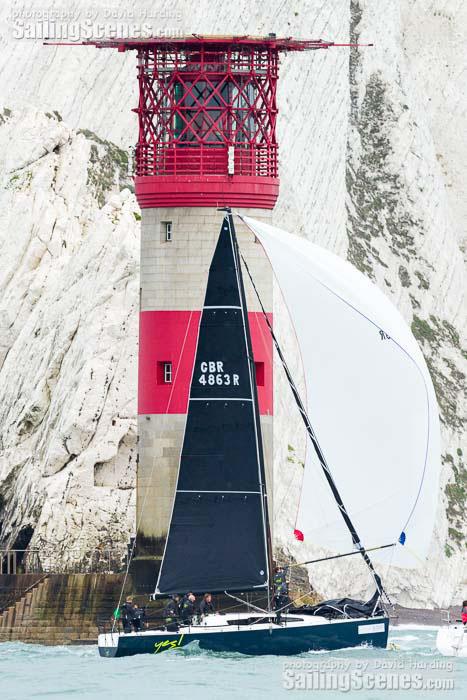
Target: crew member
127,614
281,591
170,614
187,608
139,618
206,607
280,578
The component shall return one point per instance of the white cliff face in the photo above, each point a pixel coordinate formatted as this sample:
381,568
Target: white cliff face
69,298
372,167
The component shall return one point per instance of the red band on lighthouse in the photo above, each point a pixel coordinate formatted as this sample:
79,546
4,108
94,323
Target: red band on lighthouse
167,347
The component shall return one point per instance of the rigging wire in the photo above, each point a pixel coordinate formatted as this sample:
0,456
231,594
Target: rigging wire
254,392
270,357
133,546
355,538
276,510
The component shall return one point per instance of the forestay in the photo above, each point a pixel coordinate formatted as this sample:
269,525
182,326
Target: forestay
370,400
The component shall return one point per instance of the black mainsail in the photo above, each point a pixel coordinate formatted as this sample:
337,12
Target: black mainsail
218,538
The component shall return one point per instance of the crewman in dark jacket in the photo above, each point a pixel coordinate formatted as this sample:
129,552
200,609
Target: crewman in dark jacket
187,608
127,614
139,618
281,591
280,578
170,614
206,606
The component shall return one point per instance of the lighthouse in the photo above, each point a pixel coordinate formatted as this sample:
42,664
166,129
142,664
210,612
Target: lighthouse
207,115
207,139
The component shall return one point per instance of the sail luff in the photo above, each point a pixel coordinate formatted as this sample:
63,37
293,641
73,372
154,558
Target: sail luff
157,589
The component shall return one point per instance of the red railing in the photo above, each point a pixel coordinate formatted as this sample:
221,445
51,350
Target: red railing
157,159
197,105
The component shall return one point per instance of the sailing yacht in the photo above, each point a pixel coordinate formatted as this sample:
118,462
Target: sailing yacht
451,639
373,471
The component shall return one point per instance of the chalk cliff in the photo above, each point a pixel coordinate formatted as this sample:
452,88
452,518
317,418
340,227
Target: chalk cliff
69,315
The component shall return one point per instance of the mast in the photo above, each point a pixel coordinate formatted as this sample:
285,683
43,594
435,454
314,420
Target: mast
254,390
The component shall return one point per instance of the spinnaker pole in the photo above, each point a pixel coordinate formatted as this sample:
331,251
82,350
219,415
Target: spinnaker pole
340,556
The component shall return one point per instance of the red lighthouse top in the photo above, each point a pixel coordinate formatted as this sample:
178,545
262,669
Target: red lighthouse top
207,117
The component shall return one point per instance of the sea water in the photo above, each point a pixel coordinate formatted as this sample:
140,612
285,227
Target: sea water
410,668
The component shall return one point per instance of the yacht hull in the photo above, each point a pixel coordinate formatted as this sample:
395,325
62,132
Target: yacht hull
295,637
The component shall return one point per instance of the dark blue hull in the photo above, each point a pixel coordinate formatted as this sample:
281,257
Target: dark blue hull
282,641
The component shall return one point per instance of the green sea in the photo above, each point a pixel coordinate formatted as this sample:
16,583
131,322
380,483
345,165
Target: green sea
410,668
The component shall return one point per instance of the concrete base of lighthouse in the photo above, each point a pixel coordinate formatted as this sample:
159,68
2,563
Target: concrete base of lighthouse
174,269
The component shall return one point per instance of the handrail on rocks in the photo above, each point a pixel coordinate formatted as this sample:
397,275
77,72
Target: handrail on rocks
34,561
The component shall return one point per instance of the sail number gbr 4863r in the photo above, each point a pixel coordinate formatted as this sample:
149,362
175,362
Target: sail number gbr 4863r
213,373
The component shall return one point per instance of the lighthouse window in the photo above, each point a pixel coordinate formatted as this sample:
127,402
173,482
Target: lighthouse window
164,372
167,373
167,230
259,369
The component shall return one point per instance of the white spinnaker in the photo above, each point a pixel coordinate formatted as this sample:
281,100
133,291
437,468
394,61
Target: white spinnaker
370,400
